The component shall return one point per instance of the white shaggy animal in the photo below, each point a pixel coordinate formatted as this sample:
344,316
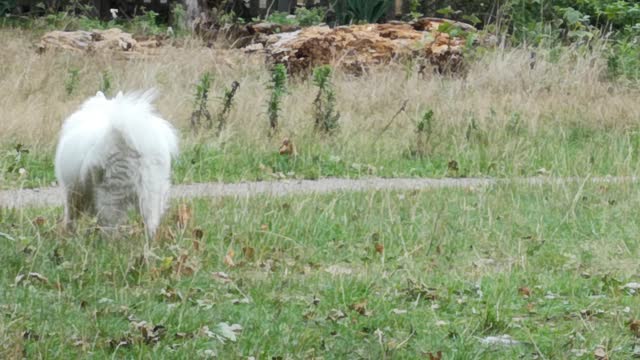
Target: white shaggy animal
113,154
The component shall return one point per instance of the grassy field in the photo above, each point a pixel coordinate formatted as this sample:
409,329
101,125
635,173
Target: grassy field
503,119
348,275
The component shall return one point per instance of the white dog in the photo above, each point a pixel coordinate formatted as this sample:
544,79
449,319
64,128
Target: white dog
113,154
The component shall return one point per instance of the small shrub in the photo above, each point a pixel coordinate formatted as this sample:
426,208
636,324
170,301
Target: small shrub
227,103
281,18
324,106
146,24
105,82
310,17
179,19
200,102
424,130
278,87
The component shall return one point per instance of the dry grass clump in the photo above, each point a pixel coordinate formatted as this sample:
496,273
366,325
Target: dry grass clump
499,86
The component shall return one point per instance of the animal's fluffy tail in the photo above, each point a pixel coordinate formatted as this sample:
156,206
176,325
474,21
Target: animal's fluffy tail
91,134
134,118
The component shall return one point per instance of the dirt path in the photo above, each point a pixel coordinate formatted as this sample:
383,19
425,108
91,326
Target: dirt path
53,196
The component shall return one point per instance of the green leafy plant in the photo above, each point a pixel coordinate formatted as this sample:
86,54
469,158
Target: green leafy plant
281,18
415,9
147,24
424,129
200,102
179,19
227,103
6,6
310,17
73,79
324,106
105,82
369,11
278,87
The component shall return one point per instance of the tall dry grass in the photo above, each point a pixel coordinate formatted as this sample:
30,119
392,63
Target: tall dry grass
500,85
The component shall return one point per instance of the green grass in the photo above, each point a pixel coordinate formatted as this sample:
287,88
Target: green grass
454,260
560,151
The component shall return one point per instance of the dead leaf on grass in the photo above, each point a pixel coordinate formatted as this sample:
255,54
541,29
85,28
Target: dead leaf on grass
600,353
248,252
632,287
379,248
335,315
228,258
31,276
184,215
634,326
524,291
361,308
39,221
337,270
436,356
240,301
502,340
222,277
288,148
223,332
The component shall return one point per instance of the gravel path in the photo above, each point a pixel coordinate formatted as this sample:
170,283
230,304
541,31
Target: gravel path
53,196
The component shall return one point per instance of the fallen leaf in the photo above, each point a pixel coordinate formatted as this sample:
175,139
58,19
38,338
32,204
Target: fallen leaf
361,308
524,291
436,356
122,342
222,276
228,332
39,221
379,248
240,301
335,315
19,279
634,326
197,233
228,259
184,215
600,353
288,147
502,340
31,276
29,335
632,287
248,252
264,227
338,270
37,276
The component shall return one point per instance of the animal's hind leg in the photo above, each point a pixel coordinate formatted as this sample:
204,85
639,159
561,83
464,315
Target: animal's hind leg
152,198
111,212
77,202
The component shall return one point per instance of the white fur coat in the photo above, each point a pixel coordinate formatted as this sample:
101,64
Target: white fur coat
113,154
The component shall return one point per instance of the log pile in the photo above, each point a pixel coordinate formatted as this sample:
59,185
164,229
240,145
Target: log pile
358,47
114,40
